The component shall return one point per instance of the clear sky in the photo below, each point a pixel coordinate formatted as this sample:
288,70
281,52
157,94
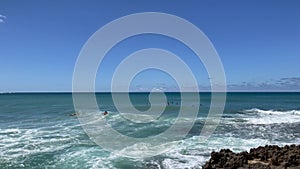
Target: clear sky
258,42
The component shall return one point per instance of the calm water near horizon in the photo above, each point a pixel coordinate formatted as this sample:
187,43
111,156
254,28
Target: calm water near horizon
37,131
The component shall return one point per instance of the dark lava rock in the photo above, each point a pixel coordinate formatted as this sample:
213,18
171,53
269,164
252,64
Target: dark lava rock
267,157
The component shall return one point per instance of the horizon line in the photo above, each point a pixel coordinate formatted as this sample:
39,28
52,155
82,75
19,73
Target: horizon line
70,92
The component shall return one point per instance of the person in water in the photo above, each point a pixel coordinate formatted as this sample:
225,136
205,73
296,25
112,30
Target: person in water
105,113
74,114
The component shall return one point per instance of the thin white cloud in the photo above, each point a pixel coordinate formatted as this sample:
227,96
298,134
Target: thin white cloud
288,84
282,84
2,18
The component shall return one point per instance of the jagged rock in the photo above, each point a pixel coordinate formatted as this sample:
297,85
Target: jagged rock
267,157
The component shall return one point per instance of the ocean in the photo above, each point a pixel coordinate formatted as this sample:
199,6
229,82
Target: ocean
38,131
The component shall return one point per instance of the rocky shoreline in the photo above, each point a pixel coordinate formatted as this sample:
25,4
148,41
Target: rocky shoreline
267,157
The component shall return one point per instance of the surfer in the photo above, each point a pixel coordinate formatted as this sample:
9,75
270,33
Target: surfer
74,114
105,113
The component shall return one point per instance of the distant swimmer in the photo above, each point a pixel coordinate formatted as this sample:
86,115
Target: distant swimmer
74,114
105,113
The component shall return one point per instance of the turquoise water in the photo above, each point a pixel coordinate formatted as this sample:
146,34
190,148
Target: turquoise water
37,131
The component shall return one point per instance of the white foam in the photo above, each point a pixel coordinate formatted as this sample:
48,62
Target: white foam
193,153
16,143
139,118
273,112
91,157
271,116
184,162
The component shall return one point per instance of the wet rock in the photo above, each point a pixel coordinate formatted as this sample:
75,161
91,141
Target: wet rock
267,157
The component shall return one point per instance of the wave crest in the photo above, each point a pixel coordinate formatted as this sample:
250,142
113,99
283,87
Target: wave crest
260,116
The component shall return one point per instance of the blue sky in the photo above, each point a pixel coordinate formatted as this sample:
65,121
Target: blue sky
258,42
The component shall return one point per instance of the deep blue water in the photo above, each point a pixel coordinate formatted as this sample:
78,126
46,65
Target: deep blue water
37,131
